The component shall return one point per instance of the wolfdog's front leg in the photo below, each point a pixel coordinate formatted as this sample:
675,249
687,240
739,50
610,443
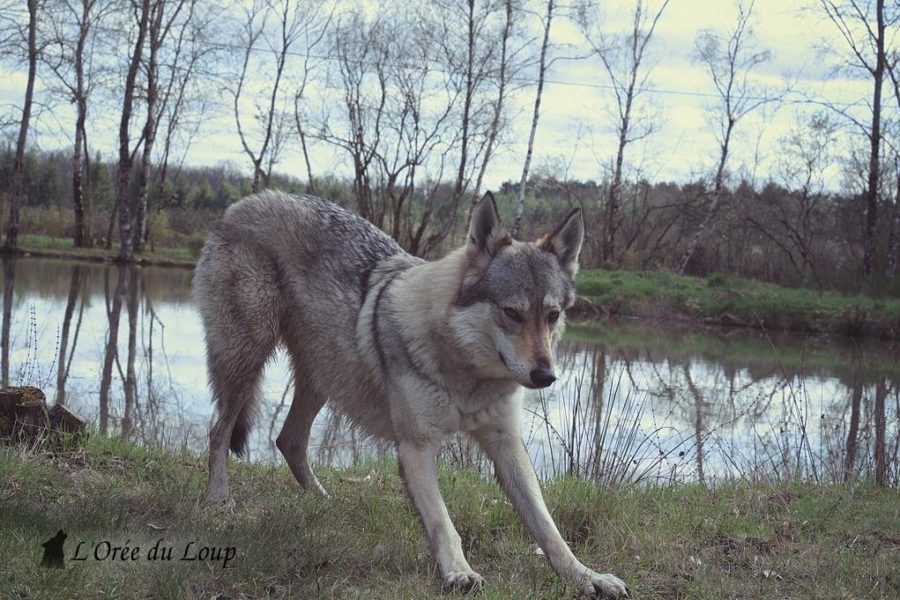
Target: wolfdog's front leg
517,478
419,471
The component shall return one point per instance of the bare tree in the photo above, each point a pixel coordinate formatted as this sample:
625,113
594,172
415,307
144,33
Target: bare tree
363,51
396,119
472,75
861,25
505,72
623,60
729,60
313,37
164,15
71,58
893,243
183,94
18,172
293,20
481,65
141,12
542,69
793,223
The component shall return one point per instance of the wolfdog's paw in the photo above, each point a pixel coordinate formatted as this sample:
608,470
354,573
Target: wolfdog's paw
605,587
465,581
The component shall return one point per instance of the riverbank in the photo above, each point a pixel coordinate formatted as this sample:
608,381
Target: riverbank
743,539
721,300
41,246
727,300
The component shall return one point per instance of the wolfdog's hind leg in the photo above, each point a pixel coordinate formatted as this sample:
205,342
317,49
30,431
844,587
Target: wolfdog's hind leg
293,441
219,438
235,375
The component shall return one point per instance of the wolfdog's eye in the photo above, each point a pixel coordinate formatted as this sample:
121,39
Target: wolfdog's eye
553,317
513,314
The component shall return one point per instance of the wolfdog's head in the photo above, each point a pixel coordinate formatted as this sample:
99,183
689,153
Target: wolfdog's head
509,311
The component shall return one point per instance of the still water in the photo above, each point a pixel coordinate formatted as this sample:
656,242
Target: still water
635,401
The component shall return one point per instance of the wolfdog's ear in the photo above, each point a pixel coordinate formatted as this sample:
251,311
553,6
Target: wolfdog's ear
565,241
486,234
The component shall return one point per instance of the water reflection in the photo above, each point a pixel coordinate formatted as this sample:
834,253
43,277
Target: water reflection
123,347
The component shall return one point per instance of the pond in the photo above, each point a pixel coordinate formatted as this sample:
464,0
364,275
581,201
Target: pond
634,402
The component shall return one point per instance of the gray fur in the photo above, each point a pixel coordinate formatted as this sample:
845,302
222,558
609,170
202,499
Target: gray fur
410,351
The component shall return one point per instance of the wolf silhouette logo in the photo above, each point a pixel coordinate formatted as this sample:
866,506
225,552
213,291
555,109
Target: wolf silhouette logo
53,550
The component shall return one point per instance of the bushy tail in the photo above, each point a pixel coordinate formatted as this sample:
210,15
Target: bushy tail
241,430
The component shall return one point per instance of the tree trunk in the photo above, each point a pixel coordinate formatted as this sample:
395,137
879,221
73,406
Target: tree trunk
88,189
311,189
18,174
890,268
542,69
498,109
467,103
871,195
149,135
125,157
9,285
718,184
82,238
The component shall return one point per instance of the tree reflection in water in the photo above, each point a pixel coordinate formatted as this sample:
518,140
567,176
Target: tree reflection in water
634,402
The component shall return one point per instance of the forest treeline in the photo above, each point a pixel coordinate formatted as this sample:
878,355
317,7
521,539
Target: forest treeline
414,99
773,233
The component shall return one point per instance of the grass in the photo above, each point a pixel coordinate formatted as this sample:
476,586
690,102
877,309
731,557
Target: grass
65,248
736,301
738,540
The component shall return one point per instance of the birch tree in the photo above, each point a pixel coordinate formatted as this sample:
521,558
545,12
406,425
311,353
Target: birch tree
542,69
729,60
505,71
623,58
184,95
163,24
475,40
71,56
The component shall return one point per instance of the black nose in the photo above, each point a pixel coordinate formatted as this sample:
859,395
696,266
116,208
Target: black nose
542,377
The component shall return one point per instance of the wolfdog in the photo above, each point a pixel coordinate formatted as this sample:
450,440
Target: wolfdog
411,351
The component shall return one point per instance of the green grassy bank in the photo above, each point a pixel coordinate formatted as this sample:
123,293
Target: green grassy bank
729,300
739,540
54,247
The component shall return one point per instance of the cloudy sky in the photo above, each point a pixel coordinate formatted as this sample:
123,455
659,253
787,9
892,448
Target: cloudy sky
575,135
